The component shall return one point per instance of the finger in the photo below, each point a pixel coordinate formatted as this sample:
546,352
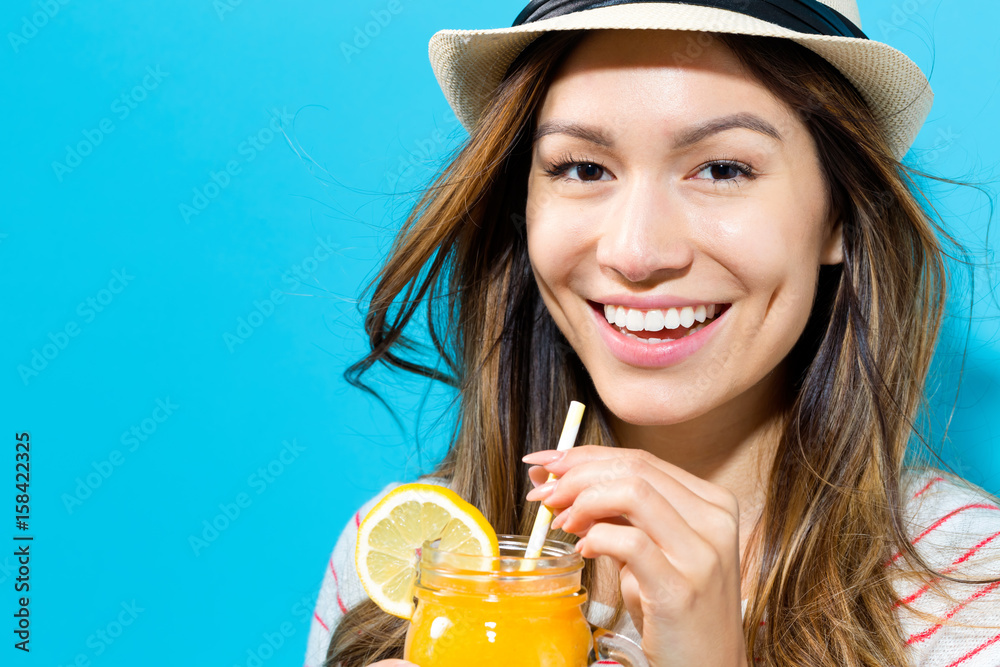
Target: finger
707,517
618,459
632,548
537,475
561,515
649,582
650,512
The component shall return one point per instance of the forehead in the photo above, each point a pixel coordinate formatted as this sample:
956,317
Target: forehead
657,77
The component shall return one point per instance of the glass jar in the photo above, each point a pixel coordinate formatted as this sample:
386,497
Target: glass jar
510,610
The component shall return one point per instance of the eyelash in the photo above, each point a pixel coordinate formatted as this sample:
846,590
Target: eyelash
558,169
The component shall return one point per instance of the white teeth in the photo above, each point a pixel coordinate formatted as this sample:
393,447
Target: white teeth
634,320
648,341
653,341
695,329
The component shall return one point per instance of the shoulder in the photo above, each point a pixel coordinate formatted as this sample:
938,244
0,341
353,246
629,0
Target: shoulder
341,588
955,527
352,592
952,522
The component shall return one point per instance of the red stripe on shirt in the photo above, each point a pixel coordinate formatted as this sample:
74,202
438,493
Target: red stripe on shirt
991,640
918,637
951,568
929,485
968,554
937,524
316,616
910,598
336,583
357,519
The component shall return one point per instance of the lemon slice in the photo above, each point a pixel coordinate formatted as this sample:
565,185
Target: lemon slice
390,534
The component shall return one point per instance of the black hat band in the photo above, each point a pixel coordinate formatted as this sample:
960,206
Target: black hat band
806,16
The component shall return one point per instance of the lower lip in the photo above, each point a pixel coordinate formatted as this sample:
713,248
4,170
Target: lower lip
652,355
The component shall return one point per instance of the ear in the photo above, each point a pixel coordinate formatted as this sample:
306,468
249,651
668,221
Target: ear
832,251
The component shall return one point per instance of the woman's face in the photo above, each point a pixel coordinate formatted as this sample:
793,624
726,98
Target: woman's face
679,199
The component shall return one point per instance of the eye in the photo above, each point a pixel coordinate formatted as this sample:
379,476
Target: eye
725,170
578,171
587,171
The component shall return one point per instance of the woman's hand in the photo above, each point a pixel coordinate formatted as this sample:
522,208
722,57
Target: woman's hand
674,538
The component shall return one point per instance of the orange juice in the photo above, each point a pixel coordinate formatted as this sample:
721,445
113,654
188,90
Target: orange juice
462,631
481,611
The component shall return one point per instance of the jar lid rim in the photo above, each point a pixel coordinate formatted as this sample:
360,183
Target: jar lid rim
557,558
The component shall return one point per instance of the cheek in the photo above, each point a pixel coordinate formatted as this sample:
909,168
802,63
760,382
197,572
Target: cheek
758,253
557,244
543,252
773,254
550,264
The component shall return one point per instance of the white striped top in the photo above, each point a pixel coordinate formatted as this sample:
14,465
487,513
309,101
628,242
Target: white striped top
954,526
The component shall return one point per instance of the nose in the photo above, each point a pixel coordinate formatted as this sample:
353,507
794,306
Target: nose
645,238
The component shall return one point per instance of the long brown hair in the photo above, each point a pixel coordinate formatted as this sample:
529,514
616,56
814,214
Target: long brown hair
833,514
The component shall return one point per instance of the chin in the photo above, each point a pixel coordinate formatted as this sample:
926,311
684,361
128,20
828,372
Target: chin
650,410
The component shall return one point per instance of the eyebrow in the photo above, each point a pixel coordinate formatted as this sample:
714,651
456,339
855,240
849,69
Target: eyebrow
745,120
588,134
688,137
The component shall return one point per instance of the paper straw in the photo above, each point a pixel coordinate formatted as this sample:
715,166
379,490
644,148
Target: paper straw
544,518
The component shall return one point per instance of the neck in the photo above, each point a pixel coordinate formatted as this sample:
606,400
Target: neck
732,445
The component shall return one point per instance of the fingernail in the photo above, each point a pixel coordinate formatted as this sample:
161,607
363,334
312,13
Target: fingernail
579,546
560,520
544,458
542,491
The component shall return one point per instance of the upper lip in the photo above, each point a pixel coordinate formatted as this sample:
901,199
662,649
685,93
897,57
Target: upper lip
652,302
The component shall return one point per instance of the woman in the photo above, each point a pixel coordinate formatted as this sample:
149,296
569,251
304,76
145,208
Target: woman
708,239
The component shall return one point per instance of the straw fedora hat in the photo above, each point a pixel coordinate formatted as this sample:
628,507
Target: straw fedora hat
469,64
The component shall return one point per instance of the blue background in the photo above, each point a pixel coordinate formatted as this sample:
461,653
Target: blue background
177,104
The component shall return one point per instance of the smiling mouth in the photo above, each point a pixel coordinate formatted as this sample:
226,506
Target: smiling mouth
660,325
